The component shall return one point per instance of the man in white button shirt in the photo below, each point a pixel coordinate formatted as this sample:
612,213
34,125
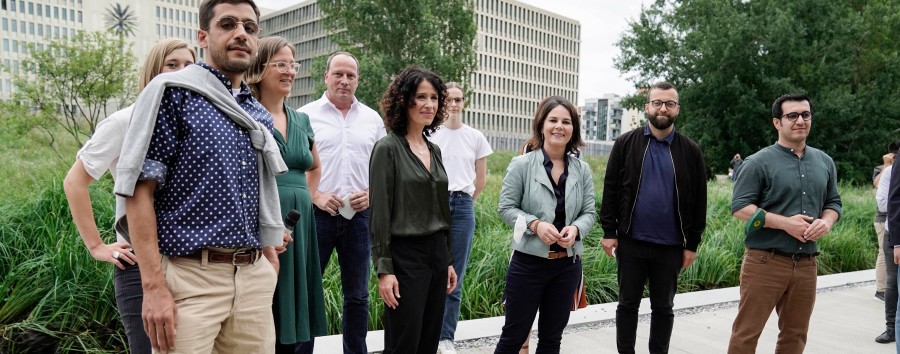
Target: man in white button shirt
890,287
345,131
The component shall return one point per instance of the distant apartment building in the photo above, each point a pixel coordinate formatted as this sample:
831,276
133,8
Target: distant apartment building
523,53
36,22
604,119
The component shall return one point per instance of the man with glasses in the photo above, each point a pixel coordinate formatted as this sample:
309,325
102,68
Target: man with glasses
787,192
345,130
653,214
198,173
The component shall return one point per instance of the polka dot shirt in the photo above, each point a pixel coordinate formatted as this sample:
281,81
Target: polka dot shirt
206,172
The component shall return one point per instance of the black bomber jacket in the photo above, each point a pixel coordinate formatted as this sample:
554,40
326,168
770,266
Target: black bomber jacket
623,178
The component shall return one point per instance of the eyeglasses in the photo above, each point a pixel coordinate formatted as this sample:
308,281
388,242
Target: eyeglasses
457,101
658,104
229,24
794,115
283,67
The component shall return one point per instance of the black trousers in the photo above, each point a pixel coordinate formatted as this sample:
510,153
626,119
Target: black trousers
890,285
420,265
534,283
639,263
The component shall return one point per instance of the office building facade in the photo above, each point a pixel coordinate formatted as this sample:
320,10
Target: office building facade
37,22
523,54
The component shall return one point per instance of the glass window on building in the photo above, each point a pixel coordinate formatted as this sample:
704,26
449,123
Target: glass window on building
22,7
40,30
72,14
5,24
6,47
31,28
56,12
65,17
31,8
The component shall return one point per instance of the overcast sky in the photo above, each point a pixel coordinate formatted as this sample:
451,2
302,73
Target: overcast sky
602,23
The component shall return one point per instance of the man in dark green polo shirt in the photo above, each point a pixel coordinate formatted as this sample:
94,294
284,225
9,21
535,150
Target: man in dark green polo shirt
792,189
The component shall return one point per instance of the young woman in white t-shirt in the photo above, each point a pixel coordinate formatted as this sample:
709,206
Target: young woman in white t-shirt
465,152
99,154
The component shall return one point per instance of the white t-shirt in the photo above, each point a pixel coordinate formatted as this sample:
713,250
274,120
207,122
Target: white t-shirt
101,152
460,148
344,144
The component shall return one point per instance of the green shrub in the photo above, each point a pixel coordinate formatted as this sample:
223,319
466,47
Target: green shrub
52,285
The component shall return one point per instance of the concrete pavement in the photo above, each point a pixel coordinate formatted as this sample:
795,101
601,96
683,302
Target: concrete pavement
846,319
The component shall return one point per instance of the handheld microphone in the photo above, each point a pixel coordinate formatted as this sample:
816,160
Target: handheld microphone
291,219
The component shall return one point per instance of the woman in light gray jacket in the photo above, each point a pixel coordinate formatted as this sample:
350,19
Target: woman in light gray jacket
548,199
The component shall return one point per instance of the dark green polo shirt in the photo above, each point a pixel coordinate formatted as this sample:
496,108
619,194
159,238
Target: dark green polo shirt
405,200
780,182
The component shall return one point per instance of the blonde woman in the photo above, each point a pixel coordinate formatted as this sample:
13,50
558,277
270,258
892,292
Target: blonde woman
99,154
299,303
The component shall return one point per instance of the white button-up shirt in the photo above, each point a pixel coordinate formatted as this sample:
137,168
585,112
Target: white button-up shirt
344,144
881,193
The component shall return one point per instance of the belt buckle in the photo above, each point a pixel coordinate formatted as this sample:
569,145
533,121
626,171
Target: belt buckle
240,252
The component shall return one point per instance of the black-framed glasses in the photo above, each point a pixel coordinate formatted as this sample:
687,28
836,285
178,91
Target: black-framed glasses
794,115
658,104
229,24
283,67
457,101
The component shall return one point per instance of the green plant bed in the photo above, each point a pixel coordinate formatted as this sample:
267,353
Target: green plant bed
52,285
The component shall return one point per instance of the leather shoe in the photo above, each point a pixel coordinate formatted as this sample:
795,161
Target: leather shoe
886,337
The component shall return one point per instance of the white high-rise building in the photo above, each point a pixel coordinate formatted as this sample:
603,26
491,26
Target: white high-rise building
24,22
523,53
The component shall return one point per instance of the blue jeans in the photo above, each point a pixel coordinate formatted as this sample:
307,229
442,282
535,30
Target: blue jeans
351,240
129,299
462,230
534,283
890,261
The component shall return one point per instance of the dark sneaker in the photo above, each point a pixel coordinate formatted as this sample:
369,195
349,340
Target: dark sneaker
886,337
879,295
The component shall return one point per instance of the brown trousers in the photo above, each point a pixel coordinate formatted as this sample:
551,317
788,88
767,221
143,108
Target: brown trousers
772,281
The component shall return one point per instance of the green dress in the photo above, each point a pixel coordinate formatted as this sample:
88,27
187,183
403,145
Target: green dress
299,303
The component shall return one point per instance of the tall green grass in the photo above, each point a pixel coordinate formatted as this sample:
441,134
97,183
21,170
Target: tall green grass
50,284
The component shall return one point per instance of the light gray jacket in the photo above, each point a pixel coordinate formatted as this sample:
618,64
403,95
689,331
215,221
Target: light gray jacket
143,122
527,194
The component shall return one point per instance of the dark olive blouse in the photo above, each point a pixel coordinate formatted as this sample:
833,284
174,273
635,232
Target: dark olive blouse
405,200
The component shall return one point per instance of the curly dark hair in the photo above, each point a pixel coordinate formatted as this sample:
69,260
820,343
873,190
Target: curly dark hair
536,141
400,95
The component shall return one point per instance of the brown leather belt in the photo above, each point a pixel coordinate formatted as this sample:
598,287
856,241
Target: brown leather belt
557,255
243,256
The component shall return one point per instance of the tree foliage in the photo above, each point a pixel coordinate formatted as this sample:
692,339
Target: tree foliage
388,35
79,78
732,59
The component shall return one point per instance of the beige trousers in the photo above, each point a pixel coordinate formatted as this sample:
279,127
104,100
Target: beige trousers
222,308
880,271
